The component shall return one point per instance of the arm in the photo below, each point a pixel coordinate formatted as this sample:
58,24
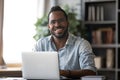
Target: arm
76,73
86,60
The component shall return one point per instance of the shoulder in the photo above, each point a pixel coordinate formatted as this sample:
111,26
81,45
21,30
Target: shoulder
44,39
82,43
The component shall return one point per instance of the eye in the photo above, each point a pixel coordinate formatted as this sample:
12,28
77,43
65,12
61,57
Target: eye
52,22
61,20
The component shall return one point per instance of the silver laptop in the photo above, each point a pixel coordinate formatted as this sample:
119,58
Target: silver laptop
40,65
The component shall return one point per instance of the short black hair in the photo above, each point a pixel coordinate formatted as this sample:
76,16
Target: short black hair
57,8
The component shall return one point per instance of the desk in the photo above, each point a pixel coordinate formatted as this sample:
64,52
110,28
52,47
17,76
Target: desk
11,72
12,78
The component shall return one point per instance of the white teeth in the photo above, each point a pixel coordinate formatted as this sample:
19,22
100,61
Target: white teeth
58,29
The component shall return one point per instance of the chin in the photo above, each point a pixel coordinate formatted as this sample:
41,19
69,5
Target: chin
59,36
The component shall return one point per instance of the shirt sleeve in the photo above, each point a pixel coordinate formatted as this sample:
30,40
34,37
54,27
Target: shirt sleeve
86,56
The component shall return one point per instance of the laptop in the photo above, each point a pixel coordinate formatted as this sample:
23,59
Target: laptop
40,65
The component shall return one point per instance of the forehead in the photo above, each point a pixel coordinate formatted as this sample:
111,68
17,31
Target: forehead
56,15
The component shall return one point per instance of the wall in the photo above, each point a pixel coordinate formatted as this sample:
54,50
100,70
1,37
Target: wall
73,4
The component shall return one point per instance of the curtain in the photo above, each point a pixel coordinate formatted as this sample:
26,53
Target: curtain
1,32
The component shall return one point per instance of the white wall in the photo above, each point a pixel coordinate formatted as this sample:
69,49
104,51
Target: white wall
74,4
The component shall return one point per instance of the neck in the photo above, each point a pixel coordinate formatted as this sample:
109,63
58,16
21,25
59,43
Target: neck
59,42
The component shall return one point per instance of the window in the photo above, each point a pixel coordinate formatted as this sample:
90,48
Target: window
18,28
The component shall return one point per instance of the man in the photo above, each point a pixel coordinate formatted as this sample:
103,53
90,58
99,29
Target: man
76,58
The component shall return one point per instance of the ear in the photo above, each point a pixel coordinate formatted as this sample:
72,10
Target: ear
48,26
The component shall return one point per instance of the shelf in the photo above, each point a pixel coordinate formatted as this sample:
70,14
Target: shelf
104,45
100,22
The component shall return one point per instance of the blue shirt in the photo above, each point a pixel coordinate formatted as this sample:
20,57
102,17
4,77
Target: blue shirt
75,55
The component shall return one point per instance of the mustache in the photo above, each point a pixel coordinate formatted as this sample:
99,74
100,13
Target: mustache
59,27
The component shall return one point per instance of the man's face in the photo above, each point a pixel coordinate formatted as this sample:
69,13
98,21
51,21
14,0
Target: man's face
58,25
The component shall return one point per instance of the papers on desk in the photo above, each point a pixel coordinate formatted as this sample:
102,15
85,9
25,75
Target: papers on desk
12,78
93,78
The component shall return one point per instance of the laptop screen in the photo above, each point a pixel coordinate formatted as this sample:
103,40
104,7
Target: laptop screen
40,65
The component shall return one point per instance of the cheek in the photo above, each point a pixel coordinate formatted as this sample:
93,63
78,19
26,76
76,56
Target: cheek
50,27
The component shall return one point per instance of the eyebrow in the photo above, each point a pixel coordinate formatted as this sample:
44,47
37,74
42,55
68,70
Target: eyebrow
58,19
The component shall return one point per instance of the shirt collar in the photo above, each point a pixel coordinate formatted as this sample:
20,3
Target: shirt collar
70,40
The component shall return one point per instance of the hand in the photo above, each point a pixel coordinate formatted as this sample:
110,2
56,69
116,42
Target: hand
64,73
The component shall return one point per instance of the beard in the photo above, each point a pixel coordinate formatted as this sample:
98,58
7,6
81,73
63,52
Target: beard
59,35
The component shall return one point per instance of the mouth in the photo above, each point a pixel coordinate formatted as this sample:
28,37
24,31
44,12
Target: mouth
59,29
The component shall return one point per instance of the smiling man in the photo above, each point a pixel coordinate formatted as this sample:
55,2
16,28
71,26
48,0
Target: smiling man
76,57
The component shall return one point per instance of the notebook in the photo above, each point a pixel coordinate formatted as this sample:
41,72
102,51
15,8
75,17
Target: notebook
93,78
40,65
